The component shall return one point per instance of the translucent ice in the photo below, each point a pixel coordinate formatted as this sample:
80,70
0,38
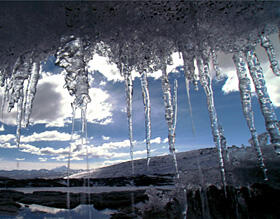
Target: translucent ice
267,45
169,116
206,83
147,110
266,106
245,95
129,92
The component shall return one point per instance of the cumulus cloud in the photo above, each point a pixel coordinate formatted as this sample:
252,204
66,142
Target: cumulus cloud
156,140
105,138
102,83
102,64
48,136
42,159
6,138
111,72
20,159
52,104
272,83
165,141
2,129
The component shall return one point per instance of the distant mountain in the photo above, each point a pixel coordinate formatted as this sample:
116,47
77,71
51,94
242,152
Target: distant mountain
58,172
200,167
61,169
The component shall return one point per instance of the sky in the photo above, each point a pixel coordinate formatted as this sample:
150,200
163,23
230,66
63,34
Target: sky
45,143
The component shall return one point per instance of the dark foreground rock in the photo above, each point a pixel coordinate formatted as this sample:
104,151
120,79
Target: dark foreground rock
114,200
258,201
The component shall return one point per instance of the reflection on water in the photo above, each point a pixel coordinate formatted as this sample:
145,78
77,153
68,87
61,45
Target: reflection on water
38,212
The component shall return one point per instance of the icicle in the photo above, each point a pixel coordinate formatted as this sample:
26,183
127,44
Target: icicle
147,109
245,94
84,133
266,106
4,97
223,142
189,76
267,45
169,116
216,65
206,83
189,69
19,118
31,91
175,103
71,57
129,92
19,74
69,153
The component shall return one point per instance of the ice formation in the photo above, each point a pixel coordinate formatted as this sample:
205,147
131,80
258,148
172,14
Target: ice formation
245,95
206,83
170,116
135,35
266,106
267,45
147,111
188,58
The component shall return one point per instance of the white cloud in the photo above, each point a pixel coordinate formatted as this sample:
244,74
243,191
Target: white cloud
109,70
272,83
102,83
6,138
42,159
273,87
105,138
20,159
99,110
52,104
2,129
165,141
7,145
231,84
156,140
176,61
48,136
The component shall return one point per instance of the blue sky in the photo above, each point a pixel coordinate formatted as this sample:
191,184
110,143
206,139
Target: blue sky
45,142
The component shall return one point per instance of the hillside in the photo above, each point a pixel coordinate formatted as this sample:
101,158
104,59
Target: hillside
200,167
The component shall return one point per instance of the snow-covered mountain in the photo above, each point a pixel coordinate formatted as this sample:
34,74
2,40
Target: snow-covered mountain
58,172
200,167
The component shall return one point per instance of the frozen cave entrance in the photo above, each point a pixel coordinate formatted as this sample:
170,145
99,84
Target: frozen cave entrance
141,37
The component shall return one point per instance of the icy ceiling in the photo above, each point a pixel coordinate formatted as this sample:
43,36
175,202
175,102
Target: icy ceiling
140,36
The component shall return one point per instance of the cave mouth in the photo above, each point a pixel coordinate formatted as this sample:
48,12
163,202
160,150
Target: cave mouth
140,36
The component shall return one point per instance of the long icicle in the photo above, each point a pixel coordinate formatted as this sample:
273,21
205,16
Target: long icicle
245,95
19,118
129,91
189,75
4,97
31,91
216,65
147,110
267,45
206,83
266,106
69,153
169,116
84,136
175,104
